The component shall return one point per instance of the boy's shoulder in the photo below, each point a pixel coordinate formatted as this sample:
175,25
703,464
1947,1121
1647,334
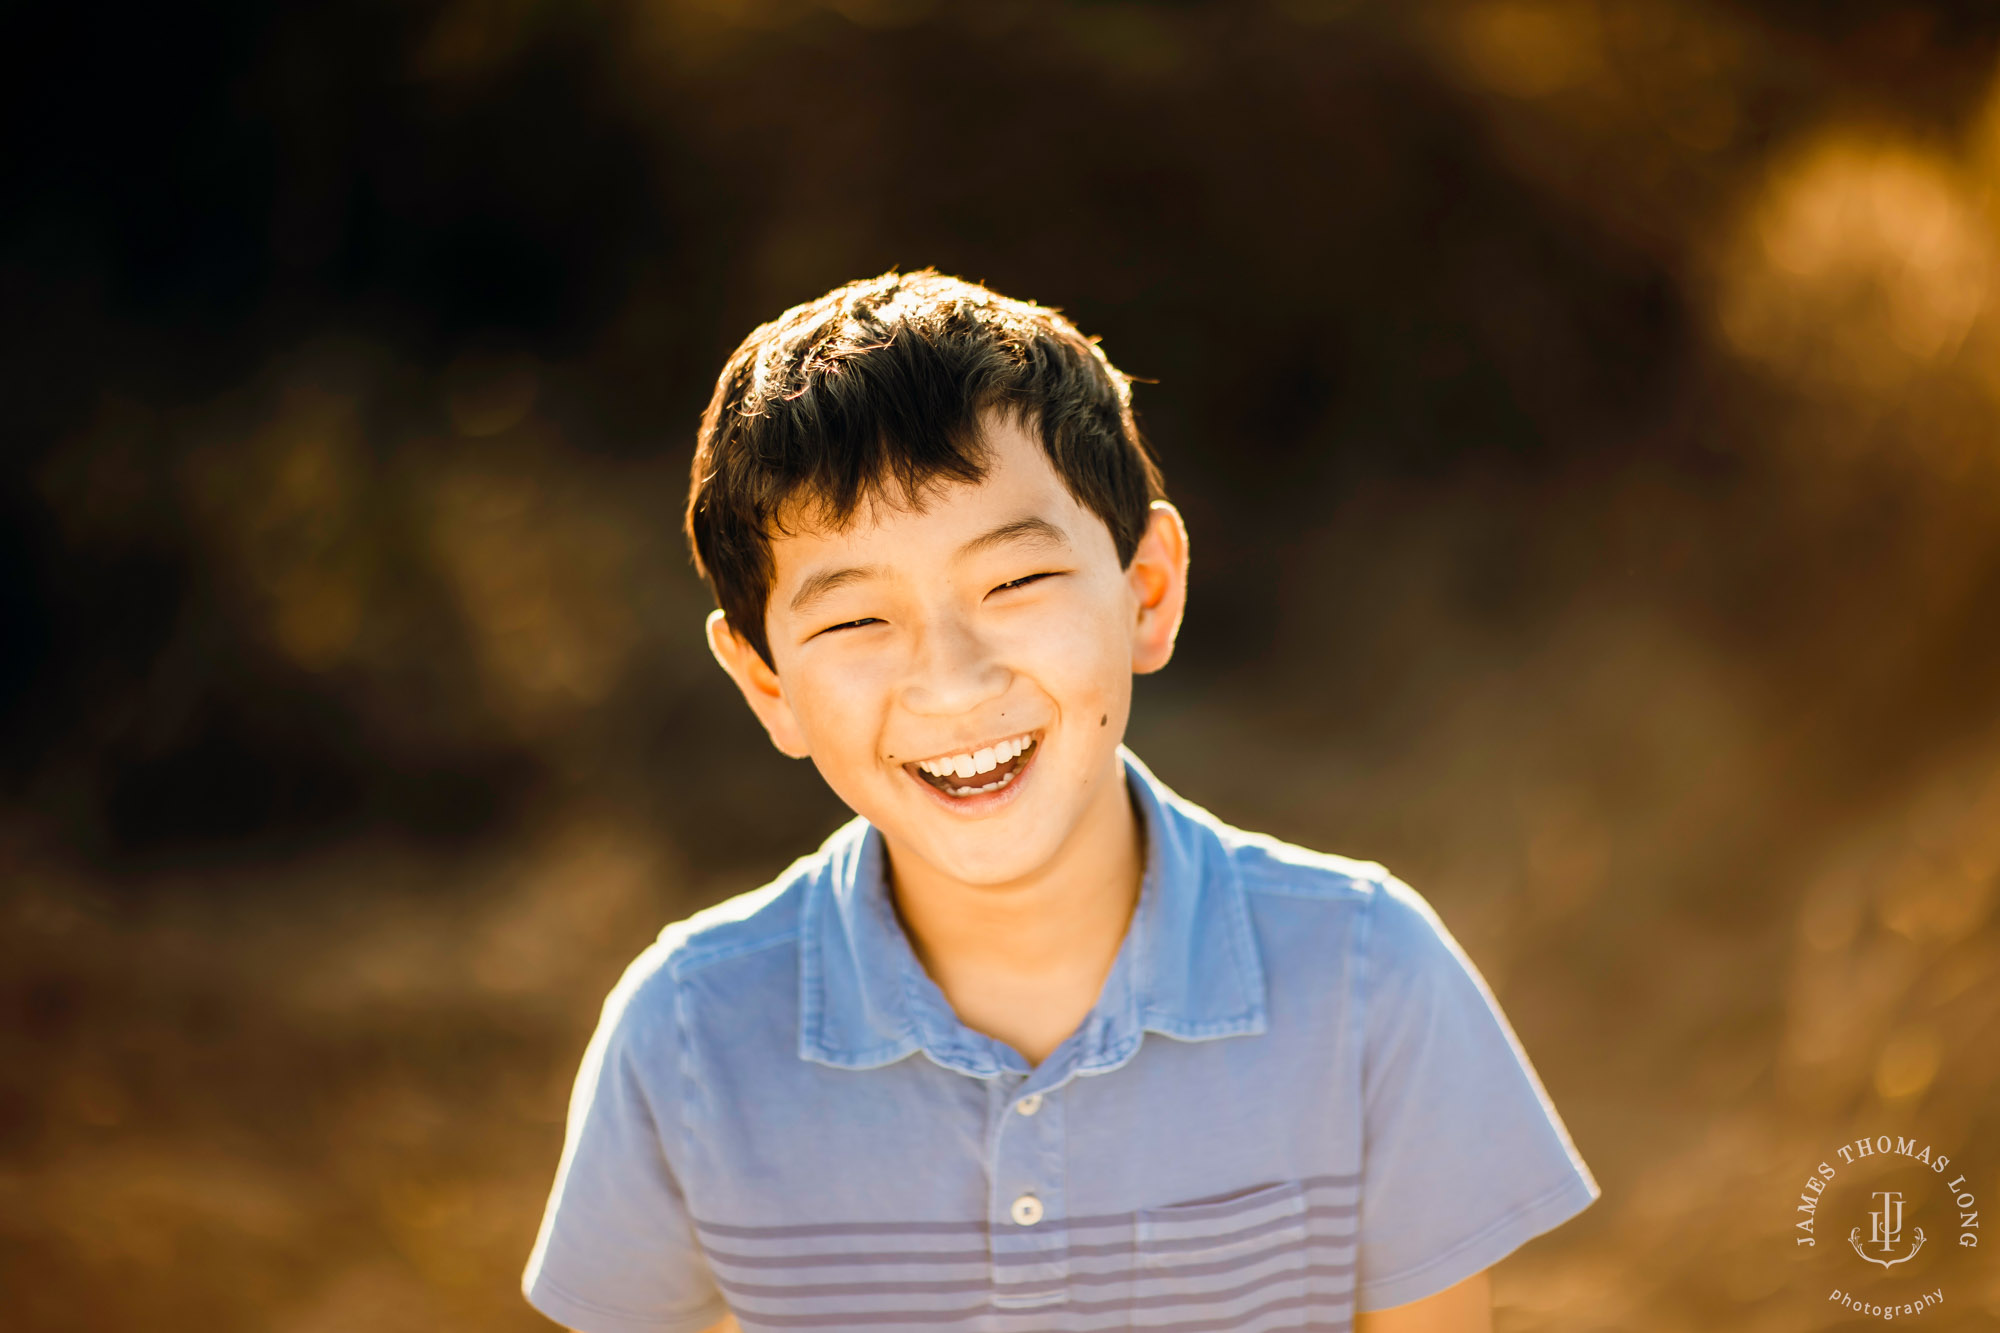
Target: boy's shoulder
1315,904
1266,864
1399,918
1263,863
751,924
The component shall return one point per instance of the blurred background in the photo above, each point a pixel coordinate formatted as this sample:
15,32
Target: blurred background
1587,413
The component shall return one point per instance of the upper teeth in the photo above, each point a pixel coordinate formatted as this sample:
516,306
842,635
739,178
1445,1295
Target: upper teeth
978,761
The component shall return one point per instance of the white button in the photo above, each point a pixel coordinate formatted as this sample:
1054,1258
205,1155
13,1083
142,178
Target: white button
1029,1104
1027,1210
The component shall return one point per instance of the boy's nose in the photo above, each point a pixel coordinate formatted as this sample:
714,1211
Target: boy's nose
953,672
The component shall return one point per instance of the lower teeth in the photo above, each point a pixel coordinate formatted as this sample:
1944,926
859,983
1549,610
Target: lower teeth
974,791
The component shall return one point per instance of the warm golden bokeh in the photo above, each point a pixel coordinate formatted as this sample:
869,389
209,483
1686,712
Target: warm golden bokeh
1587,413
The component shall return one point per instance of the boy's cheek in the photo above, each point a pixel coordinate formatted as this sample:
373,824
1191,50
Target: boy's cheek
1073,642
834,690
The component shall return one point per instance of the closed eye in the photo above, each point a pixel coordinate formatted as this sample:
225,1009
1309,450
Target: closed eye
1025,580
850,624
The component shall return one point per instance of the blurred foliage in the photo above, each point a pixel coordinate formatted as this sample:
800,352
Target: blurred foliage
1585,411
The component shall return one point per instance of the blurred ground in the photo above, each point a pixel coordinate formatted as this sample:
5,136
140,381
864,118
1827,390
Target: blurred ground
1588,417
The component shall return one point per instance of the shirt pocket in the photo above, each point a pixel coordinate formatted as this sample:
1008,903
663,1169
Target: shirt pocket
1236,1254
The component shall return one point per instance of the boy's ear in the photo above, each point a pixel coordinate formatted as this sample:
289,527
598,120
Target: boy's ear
759,684
1158,577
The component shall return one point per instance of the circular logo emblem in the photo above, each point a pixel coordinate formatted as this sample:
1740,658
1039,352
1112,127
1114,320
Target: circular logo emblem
1886,1224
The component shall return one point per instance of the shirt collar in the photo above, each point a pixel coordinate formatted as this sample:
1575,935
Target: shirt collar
1188,967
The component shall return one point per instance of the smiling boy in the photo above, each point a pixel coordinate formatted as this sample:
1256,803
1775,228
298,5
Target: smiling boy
1032,1043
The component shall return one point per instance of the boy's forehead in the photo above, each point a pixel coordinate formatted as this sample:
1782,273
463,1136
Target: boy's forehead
804,524
1018,481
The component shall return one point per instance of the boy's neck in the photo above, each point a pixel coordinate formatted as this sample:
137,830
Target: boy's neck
1024,962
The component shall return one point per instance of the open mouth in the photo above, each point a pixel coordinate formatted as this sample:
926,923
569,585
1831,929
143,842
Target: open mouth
978,772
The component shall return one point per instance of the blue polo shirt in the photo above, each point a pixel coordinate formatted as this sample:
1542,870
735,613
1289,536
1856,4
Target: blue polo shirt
1295,1098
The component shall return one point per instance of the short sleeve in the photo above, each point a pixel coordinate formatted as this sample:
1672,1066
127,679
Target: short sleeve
1464,1158
617,1251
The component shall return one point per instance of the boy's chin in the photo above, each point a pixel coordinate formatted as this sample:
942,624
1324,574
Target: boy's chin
990,859
1001,848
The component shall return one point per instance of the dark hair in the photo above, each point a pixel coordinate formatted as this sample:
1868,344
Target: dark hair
879,384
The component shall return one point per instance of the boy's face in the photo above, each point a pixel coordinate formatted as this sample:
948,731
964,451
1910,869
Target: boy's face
961,675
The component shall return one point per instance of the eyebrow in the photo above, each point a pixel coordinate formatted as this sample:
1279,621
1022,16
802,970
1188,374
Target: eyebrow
1037,531
1033,530
819,584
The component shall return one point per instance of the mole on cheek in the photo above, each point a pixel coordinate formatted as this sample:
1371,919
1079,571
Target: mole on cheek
1104,721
